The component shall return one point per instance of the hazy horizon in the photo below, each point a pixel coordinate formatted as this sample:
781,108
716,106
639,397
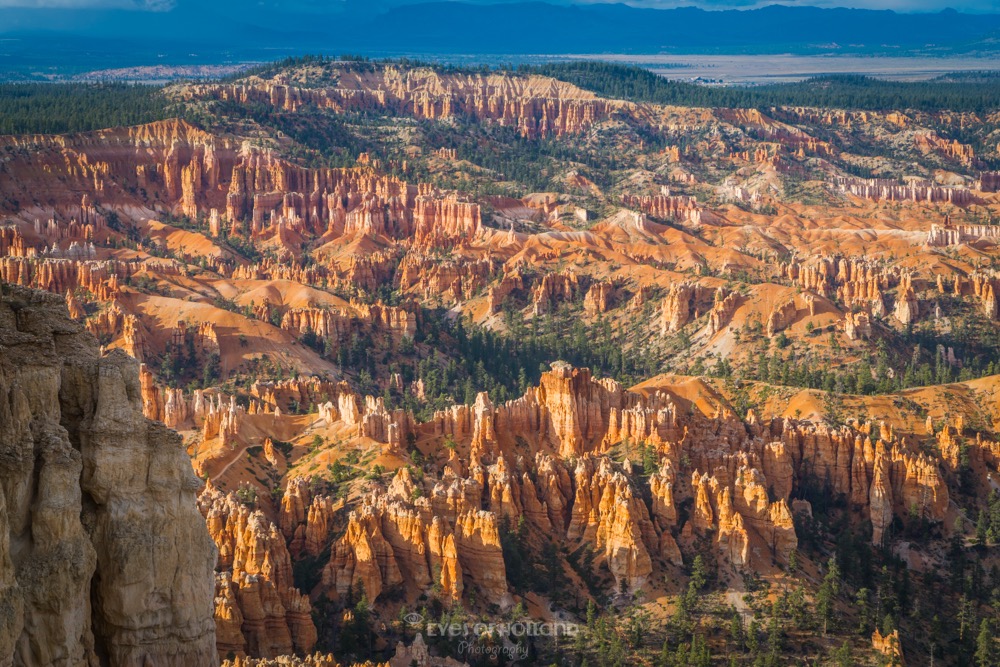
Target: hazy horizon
372,7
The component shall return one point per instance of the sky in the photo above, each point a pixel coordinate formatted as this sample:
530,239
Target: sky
897,5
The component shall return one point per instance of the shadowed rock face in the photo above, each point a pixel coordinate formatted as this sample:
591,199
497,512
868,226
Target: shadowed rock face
104,558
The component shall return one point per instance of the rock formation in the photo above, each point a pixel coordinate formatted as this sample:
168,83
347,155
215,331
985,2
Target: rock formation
599,298
722,310
257,604
889,646
535,106
685,301
952,235
781,317
917,191
857,326
907,307
104,552
666,207
553,288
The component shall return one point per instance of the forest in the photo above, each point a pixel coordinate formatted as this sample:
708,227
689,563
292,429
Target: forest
963,92
59,108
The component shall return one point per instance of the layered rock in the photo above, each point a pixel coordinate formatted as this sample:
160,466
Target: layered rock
953,235
103,547
606,514
677,307
916,191
452,281
856,282
535,106
498,294
742,518
984,288
666,207
387,544
194,174
306,518
254,584
722,310
876,473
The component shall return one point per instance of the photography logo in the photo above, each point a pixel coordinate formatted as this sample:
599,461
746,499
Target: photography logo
493,640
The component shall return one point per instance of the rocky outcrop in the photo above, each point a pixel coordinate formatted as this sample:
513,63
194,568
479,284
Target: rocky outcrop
984,288
388,544
172,166
869,467
607,515
684,302
101,279
745,524
907,307
931,141
855,282
498,293
103,550
477,541
452,281
952,235
323,323
877,189
254,586
442,221
781,317
599,298
337,325
306,518
552,289
857,326
535,106
889,646
677,307
666,207
722,310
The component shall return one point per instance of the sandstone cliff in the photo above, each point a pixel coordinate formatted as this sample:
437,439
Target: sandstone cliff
105,559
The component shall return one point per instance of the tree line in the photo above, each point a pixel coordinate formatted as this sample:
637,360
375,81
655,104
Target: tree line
59,108
978,94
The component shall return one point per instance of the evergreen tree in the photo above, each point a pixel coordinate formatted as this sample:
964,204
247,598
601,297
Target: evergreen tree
986,653
827,594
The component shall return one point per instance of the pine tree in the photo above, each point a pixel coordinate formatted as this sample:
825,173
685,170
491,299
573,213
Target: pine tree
827,593
982,529
986,653
843,656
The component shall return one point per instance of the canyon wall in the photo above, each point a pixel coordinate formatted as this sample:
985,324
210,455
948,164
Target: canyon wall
171,167
535,106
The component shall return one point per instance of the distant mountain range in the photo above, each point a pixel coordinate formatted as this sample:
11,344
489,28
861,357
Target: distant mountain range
543,28
243,29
